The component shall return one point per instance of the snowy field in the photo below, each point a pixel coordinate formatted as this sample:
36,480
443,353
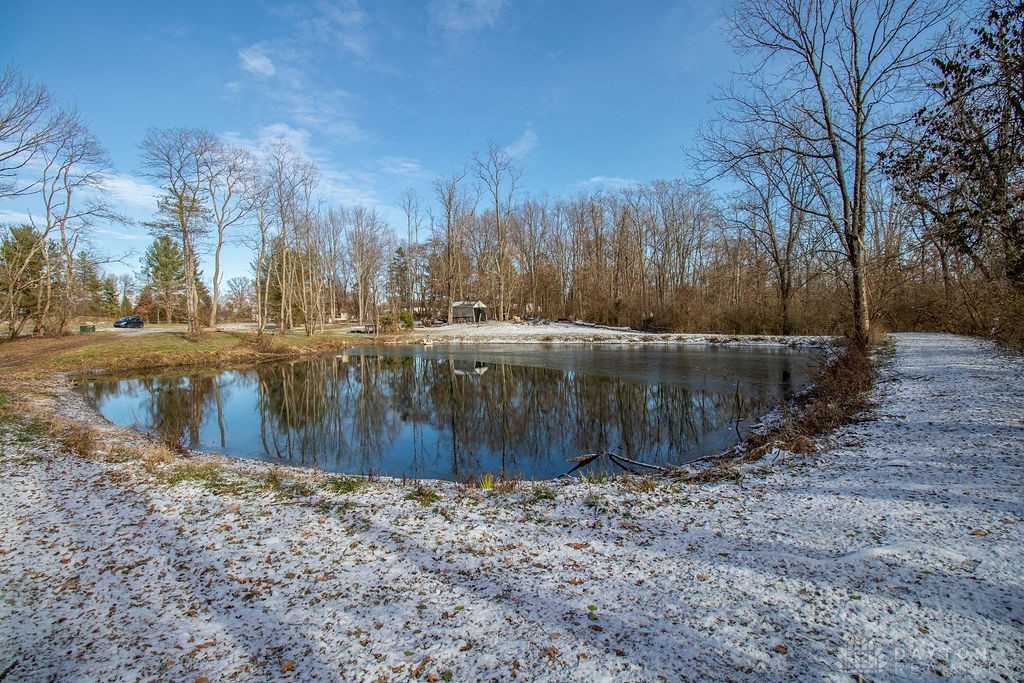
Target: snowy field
894,555
492,332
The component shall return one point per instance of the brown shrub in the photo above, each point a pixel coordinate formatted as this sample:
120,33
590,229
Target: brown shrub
77,440
839,391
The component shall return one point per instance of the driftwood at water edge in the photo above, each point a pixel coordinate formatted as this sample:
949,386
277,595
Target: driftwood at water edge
619,460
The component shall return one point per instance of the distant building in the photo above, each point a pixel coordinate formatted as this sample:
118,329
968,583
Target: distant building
469,311
469,368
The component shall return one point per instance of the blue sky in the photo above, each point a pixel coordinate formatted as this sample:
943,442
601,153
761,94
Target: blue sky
383,95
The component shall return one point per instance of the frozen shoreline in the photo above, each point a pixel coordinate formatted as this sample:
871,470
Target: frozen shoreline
894,555
561,332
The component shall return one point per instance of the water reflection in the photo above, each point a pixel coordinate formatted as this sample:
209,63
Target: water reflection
450,413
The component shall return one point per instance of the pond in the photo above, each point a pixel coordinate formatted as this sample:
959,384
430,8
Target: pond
451,412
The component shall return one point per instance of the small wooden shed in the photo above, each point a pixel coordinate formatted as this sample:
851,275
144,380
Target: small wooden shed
469,311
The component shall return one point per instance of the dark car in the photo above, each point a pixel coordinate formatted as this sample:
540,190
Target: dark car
129,321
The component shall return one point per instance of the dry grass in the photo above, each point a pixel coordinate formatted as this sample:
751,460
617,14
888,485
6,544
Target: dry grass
77,439
33,358
839,392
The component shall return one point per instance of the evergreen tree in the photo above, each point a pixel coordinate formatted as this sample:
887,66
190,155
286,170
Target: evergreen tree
163,268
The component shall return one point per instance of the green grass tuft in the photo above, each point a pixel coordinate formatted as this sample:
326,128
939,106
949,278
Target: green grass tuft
345,484
424,495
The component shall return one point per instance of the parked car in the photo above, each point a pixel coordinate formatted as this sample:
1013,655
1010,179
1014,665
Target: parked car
129,321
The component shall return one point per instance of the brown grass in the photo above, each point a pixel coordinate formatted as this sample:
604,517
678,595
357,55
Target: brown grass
111,352
839,391
76,439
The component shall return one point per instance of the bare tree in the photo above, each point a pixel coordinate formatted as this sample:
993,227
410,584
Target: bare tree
449,230
369,245
411,207
178,159
29,122
534,226
70,187
832,74
291,180
260,241
778,207
231,188
500,177
240,293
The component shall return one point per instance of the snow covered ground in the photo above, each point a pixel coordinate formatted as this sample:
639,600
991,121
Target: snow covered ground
563,332
895,555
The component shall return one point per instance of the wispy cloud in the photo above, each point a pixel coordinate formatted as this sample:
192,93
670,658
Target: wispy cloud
607,182
129,190
345,24
526,143
288,66
403,167
120,235
299,138
14,217
462,16
255,61
337,187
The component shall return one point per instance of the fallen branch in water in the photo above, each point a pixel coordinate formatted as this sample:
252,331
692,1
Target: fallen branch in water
657,468
620,460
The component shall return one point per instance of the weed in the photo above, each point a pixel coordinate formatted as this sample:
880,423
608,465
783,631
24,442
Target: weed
596,502
596,476
120,454
637,484
300,489
153,457
5,407
262,343
272,479
424,495
203,472
540,493
78,440
345,484
487,481
209,474
717,473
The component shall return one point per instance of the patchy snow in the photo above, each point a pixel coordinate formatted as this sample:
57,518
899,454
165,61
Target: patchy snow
896,555
564,332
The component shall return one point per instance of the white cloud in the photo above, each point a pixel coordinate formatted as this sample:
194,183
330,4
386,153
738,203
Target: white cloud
126,189
342,23
526,143
402,166
255,61
299,138
126,236
608,182
461,16
337,188
296,137
14,217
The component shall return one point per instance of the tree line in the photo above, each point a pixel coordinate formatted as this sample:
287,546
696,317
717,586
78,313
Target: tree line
863,171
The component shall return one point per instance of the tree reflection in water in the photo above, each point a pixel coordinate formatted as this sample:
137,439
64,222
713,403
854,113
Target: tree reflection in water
432,415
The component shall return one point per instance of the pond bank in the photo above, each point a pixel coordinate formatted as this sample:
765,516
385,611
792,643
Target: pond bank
893,555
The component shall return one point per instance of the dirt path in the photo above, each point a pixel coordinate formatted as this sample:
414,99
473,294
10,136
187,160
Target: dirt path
15,354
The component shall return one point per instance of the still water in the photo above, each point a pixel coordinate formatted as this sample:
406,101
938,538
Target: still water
451,412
